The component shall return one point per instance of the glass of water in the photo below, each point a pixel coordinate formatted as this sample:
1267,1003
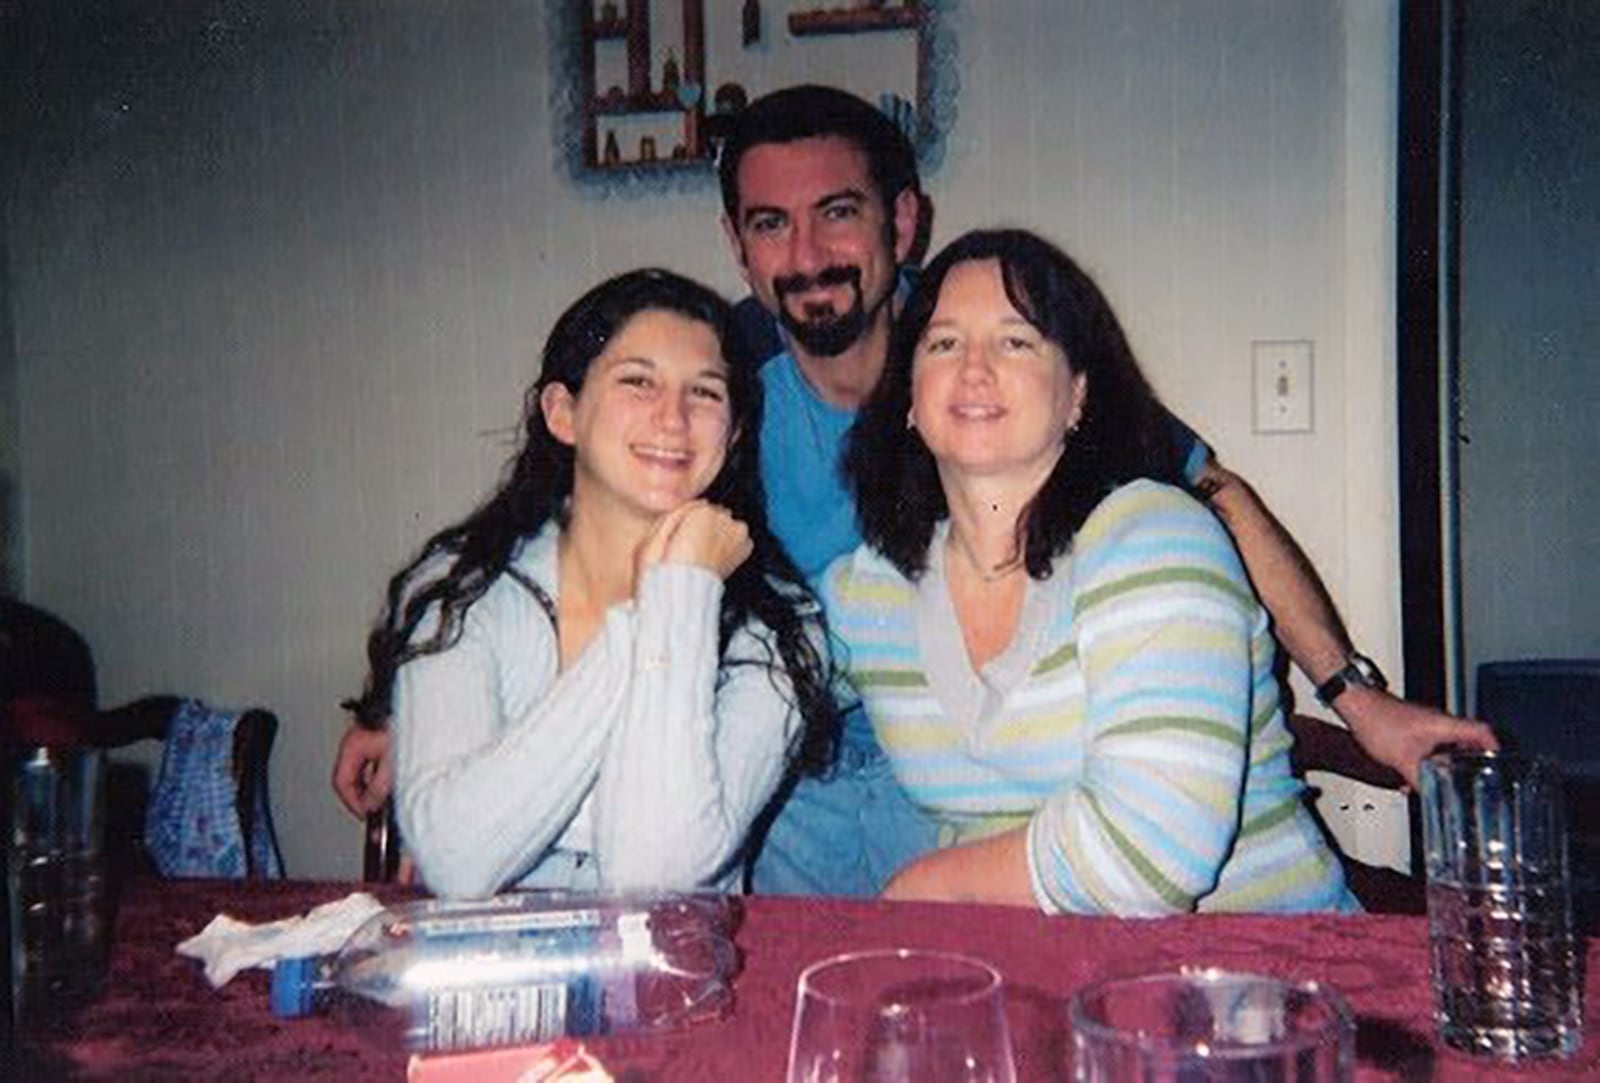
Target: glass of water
1505,969
900,1016
1210,1025
56,876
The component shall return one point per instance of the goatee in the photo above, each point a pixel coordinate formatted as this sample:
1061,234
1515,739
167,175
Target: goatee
821,331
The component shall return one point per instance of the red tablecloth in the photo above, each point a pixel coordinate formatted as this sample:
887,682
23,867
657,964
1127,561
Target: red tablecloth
158,1019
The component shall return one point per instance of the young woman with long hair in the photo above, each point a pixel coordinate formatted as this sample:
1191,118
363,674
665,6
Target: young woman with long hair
599,677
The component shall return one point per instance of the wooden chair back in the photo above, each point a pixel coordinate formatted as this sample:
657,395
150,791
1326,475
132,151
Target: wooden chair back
48,697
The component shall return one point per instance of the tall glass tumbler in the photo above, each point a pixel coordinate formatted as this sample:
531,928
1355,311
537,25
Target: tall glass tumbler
1505,971
60,908
1210,1026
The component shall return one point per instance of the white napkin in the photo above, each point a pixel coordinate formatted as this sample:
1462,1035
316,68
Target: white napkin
228,945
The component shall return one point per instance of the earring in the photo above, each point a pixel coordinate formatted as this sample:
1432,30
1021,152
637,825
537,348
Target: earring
911,421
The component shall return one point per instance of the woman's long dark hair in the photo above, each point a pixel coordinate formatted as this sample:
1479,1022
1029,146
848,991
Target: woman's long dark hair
1123,432
478,550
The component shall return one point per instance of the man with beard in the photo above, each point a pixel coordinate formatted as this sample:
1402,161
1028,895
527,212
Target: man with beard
821,249
822,201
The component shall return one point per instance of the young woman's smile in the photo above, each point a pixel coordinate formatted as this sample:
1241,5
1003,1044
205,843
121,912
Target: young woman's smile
652,423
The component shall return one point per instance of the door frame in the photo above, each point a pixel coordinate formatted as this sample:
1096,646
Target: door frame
1427,209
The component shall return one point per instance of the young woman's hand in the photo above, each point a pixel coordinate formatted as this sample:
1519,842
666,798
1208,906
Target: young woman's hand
701,533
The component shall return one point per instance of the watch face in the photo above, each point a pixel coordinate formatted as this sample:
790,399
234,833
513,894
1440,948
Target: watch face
1367,672
1357,669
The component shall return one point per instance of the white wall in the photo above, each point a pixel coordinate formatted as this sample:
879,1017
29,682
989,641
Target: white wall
273,322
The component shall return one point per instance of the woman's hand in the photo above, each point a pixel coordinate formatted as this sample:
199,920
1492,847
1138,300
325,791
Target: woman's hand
700,533
992,870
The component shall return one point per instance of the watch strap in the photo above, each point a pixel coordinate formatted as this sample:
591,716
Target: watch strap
1358,669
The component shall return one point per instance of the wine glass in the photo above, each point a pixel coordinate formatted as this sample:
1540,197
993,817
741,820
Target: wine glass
900,1014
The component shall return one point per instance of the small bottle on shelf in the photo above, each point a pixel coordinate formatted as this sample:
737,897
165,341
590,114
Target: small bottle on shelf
750,22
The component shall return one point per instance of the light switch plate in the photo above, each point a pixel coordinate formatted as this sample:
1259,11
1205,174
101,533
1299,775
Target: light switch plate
1281,377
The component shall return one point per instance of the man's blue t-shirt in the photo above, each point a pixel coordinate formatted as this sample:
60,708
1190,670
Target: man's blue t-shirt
802,437
809,507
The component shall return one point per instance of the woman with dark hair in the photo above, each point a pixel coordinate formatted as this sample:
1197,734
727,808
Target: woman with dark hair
1056,644
599,678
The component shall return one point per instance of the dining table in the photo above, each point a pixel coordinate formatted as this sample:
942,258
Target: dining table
156,1016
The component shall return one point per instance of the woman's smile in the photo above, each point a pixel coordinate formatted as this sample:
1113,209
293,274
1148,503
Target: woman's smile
989,391
652,423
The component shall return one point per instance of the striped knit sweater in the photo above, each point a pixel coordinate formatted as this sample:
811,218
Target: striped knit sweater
1133,723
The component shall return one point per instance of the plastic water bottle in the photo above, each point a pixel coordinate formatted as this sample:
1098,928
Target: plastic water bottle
522,968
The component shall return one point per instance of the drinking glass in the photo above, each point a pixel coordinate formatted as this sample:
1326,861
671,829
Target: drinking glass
1504,961
1196,1025
900,1015
56,877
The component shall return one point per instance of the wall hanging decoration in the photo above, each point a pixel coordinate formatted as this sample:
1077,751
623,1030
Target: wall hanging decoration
638,86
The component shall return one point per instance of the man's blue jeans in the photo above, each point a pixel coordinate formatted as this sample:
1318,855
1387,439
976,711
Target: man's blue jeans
847,832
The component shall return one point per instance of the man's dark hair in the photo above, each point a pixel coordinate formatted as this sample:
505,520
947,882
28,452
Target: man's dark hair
809,112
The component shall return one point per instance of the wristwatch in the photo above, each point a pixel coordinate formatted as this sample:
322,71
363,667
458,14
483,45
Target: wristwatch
1357,669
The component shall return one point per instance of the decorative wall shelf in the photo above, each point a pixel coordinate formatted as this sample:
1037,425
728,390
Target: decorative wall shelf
633,87
858,20
625,105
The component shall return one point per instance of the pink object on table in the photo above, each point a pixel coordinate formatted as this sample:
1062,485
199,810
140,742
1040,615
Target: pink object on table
564,1060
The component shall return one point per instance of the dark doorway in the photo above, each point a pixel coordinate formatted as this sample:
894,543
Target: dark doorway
1499,338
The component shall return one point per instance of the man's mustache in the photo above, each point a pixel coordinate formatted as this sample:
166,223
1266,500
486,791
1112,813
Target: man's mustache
828,276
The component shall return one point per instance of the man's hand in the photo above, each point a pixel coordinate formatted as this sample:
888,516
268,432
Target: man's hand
363,770
1400,735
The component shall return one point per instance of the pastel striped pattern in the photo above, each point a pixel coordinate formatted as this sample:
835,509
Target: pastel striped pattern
1145,750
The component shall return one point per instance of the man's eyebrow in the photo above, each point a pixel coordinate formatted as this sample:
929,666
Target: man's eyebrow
843,195
756,210
851,195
